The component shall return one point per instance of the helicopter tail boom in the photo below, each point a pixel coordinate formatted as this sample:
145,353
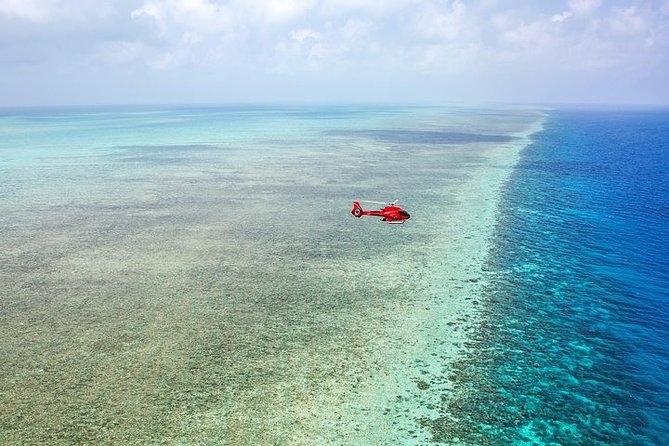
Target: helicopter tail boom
358,211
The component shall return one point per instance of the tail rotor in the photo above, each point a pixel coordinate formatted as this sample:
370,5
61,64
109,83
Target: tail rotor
357,209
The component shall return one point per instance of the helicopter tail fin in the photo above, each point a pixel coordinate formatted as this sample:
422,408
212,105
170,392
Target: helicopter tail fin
357,209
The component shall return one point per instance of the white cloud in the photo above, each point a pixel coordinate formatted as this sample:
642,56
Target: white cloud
378,8
200,15
301,35
534,35
628,21
284,10
447,39
577,8
120,53
212,17
584,7
317,52
559,18
435,22
31,10
355,30
154,11
650,41
191,38
303,50
333,48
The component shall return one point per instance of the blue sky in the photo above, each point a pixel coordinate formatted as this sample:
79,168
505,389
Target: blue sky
62,52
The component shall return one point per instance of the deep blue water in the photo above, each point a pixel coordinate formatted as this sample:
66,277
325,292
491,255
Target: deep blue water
574,348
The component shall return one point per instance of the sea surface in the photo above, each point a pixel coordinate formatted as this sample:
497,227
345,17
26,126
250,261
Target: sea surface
192,275
574,347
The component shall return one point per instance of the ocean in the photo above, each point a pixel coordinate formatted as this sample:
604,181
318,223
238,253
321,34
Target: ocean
574,347
192,275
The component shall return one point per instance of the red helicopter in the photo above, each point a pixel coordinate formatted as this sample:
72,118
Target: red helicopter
390,213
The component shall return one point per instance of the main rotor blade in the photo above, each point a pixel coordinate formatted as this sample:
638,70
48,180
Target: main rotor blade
375,202
379,202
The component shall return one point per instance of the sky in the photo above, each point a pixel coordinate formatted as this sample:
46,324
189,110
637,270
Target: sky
89,52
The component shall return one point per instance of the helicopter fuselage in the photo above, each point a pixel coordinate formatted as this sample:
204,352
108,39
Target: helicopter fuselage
390,213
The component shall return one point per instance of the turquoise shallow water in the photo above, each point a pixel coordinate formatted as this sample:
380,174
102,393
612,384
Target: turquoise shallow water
193,275
573,347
